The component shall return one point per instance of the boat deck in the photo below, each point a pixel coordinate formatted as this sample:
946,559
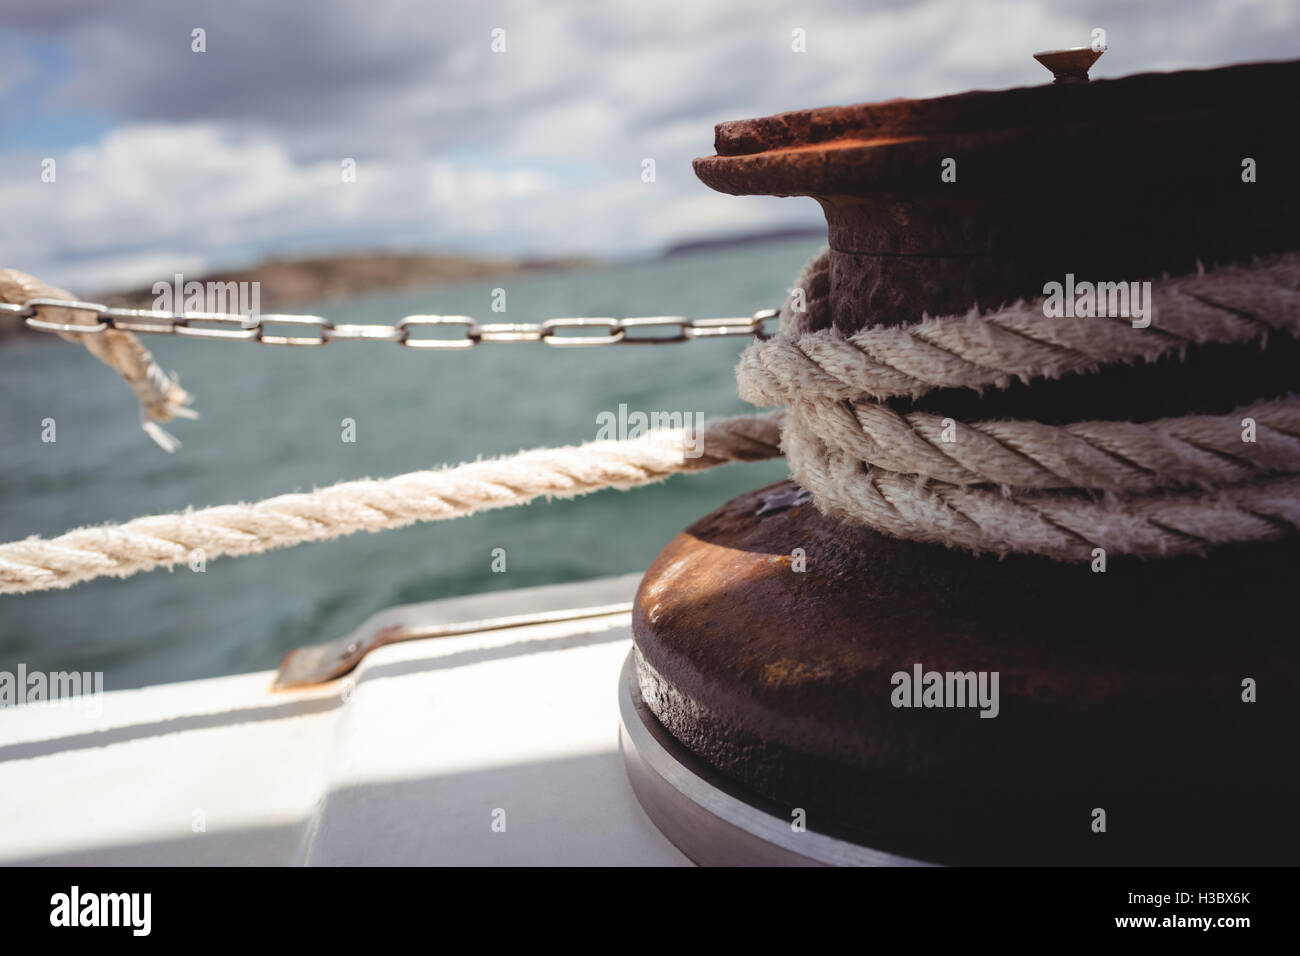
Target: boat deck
492,748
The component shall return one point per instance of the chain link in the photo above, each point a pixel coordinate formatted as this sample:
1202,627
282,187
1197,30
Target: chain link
258,328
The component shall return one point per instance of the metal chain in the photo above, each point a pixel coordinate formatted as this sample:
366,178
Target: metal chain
250,328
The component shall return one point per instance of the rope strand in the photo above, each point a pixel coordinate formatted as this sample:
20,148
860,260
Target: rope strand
346,508
978,351
161,397
1151,489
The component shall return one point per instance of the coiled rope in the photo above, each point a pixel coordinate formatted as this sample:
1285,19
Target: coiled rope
1160,488
1165,487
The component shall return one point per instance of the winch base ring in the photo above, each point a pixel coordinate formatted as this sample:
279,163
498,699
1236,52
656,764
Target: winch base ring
709,818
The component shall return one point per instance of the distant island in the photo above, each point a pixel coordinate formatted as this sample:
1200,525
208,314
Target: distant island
286,283
744,239
290,283
293,282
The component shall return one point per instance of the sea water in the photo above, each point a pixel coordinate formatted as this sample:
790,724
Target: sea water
272,423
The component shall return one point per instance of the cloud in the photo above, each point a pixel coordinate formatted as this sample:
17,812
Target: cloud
118,208
223,156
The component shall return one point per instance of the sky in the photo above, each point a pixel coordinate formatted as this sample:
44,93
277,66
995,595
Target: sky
167,159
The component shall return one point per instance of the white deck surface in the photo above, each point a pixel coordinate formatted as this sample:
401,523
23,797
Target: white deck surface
406,762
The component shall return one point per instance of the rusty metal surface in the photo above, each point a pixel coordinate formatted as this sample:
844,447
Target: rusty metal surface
1069,66
708,817
747,147
1114,688
1129,178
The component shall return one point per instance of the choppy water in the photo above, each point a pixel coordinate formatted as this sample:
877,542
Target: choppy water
271,424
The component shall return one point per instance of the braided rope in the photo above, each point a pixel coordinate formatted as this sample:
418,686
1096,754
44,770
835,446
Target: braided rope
161,398
1063,525
1121,457
348,507
978,351
1165,487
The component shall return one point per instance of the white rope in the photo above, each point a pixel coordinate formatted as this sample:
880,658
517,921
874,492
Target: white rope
1122,457
168,540
991,350
161,397
1159,488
